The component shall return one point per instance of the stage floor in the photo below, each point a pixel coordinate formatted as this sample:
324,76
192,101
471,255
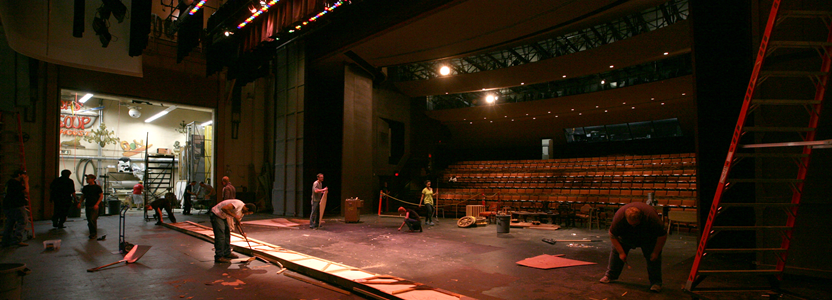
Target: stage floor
475,262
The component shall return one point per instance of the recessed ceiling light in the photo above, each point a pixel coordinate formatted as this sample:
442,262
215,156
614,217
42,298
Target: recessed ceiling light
505,116
596,106
522,83
483,89
444,70
662,103
602,81
633,107
683,94
564,76
556,116
446,93
611,66
470,122
550,112
580,114
491,121
527,114
484,118
512,120
605,110
666,53
651,99
623,102
573,109
534,118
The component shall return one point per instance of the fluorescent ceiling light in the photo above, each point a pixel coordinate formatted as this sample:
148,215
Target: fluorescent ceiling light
207,123
85,98
160,114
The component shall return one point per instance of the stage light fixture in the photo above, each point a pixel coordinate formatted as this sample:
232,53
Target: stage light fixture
490,99
160,114
85,98
228,33
444,70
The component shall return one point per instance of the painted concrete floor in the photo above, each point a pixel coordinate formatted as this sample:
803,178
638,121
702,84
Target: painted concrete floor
476,262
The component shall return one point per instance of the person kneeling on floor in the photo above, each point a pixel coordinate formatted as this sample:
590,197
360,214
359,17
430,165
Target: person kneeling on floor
224,216
411,218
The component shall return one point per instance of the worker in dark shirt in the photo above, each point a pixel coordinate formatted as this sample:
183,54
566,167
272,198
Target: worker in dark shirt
62,195
14,207
93,194
411,218
190,191
165,203
637,225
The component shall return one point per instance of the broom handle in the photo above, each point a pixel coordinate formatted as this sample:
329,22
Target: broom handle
104,266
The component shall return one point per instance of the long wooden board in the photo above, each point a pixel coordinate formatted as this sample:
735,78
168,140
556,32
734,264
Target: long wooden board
322,208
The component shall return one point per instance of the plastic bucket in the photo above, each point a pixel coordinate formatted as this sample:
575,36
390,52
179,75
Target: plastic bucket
11,278
503,223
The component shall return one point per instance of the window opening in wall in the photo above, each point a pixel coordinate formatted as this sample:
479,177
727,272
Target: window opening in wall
624,131
113,137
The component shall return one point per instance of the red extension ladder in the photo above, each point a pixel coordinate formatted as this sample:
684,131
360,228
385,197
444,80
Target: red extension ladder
782,118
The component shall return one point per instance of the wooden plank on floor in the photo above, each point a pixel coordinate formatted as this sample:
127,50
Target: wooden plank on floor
339,275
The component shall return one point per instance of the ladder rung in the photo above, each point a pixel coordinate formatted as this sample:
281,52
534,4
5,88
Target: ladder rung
785,101
792,73
749,272
765,180
743,250
800,44
770,154
758,204
777,129
804,13
751,227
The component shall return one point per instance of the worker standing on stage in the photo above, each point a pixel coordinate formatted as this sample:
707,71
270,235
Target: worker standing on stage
318,191
637,225
224,216
228,190
427,199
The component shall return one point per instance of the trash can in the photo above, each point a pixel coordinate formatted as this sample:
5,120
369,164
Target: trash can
503,223
114,206
11,280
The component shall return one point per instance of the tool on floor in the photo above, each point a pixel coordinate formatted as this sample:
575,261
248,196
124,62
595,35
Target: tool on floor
554,241
137,252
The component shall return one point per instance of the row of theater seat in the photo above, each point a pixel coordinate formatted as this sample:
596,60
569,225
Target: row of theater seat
608,162
603,182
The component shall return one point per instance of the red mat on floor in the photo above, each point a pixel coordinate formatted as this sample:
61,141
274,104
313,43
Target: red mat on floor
546,261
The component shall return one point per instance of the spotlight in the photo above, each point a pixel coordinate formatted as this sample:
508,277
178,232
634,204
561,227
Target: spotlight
490,98
444,70
228,33
134,112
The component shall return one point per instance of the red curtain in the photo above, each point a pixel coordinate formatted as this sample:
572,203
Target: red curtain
278,17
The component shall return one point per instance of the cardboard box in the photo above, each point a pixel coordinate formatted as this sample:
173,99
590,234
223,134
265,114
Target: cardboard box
164,151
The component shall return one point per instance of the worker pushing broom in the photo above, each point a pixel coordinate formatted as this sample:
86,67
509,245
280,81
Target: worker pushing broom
224,217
